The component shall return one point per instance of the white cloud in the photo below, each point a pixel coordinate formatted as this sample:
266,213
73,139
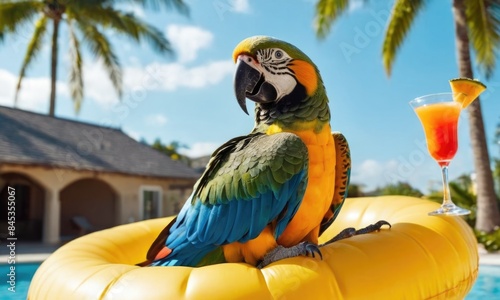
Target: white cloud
133,134
372,174
156,120
97,84
355,5
417,169
34,94
368,174
137,80
188,40
240,6
170,77
199,149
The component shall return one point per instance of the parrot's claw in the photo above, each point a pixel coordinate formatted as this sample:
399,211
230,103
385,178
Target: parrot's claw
373,227
348,232
280,252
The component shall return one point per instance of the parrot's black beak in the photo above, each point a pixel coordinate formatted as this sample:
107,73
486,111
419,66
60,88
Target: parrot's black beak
246,79
250,83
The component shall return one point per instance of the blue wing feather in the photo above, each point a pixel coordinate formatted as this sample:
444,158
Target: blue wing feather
204,224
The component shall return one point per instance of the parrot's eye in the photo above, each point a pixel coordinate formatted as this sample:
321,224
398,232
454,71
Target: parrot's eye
278,54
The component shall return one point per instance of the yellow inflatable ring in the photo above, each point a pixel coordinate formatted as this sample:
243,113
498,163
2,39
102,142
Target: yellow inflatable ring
420,257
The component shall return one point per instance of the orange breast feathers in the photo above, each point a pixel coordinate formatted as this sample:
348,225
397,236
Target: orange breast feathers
319,192
316,202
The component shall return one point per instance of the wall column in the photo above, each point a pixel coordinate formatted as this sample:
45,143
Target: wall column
51,218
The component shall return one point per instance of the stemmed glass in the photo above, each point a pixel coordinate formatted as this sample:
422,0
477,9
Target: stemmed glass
439,115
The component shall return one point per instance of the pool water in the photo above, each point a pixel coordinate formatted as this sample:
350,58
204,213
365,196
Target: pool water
24,273
487,285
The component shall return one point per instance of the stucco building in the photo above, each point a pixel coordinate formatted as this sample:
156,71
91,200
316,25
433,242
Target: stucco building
64,170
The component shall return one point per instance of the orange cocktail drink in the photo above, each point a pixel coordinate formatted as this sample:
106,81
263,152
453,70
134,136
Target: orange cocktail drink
439,115
440,122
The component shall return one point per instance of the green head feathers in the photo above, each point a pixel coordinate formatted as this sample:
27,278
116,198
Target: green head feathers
255,43
281,79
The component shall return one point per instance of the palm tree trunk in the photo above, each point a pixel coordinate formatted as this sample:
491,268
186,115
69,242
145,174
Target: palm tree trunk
488,214
53,68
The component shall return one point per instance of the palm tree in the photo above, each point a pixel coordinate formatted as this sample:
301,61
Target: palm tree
87,21
172,150
477,25
496,168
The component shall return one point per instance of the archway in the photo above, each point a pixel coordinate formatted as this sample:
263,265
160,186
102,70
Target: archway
87,205
28,205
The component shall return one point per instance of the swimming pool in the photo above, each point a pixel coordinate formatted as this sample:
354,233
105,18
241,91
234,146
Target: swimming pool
487,285
23,274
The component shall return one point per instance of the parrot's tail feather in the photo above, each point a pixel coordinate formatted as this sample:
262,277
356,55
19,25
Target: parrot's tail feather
144,263
159,243
163,253
183,256
193,257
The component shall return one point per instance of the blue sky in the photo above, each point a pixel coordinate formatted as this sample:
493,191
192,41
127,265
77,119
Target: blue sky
189,97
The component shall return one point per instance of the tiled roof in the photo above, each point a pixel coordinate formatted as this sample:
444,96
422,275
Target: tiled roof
35,139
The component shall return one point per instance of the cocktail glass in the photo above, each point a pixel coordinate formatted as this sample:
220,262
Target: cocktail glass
439,115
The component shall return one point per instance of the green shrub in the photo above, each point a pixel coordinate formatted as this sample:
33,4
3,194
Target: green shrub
491,241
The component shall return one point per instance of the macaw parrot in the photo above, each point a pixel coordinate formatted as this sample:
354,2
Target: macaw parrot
267,195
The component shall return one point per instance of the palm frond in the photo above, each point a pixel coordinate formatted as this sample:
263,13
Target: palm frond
100,47
401,19
75,74
15,14
328,11
483,22
178,5
154,5
151,34
104,15
126,24
34,47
